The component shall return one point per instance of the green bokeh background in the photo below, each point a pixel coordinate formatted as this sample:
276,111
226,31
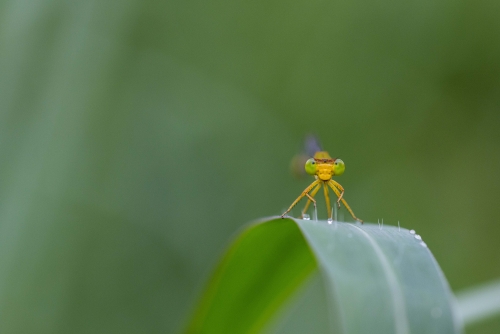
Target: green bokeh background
136,137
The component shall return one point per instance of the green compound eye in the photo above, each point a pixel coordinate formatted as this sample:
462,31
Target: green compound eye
338,167
310,167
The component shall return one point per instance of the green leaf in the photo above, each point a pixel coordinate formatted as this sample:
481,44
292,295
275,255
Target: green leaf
265,264
480,302
377,279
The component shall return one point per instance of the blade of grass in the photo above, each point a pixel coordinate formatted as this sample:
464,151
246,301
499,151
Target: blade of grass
479,303
263,266
382,280
376,280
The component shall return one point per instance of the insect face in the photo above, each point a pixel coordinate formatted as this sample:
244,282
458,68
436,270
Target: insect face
325,171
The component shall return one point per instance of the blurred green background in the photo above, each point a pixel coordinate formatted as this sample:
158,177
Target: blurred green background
137,137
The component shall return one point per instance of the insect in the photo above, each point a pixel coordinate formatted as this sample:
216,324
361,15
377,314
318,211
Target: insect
323,168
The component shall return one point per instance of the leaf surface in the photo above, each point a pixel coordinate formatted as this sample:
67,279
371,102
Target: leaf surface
376,279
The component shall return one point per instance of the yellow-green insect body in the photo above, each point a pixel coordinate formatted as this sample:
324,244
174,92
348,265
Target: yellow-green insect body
323,167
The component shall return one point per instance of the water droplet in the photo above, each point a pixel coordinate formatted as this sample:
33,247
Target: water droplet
349,235
418,237
436,312
412,231
306,217
423,244
330,221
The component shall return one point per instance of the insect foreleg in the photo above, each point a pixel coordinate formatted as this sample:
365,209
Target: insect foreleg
338,186
313,193
304,193
337,192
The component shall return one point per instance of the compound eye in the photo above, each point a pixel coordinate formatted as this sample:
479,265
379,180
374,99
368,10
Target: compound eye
310,167
338,167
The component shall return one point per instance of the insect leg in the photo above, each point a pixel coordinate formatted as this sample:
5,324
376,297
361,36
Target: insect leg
304,193
337,192
337,185
313,193
327,199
